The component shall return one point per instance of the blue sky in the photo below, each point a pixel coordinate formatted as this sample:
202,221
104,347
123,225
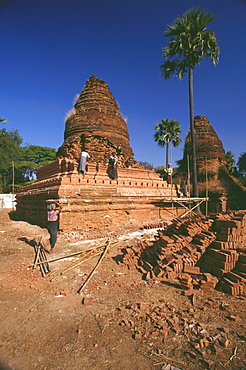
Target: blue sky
49,48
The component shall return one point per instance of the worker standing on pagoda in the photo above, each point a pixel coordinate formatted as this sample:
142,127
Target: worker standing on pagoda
113,166
82,163
169,172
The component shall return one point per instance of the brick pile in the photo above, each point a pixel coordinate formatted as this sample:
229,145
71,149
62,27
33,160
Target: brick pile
201,253
165,319
226,258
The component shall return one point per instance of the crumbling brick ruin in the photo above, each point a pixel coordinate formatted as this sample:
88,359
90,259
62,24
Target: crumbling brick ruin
94,202
225,192
95,124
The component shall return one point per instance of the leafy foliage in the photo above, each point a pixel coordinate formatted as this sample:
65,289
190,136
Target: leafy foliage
162,171
20,162
242,163
33,157
9,152
167,132
147,165
190,41
230,163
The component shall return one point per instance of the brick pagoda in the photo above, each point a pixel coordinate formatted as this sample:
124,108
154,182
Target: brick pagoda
225,191
93,201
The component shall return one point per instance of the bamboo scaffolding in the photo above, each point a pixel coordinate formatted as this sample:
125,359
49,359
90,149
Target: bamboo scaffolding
78,263
72,265
69,255
44,258
40,256
92,272
86,251
37,250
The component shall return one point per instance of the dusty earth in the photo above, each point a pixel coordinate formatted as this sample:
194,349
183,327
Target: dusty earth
46,324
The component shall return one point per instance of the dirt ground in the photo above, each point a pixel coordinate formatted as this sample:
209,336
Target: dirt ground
47,324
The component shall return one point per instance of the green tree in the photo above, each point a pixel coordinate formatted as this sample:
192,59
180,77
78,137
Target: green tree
25,160
167,132
147,165
10,152
161,170
33,157
242,163
190,42
230,162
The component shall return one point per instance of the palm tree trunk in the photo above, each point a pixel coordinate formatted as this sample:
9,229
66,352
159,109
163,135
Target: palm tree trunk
166,154
193,139
171,154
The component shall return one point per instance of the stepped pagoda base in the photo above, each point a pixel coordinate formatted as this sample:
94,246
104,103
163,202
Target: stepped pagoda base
95,202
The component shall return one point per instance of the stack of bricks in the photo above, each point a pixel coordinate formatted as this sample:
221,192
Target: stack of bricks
178,249
219,262
230,232
154,225
175,250
223,258
193,251
132,254
234,282
192,282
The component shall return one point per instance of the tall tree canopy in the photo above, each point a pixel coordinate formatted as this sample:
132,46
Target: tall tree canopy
242,163
190,41
167,132
230,162
33,157
24,160
10,152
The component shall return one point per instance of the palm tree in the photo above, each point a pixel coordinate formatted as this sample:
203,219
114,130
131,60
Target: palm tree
190,42
167,132
230,162
3,120
242,163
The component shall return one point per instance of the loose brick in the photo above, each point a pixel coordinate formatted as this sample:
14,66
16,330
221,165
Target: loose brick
234,318
138,337
87,301
191,269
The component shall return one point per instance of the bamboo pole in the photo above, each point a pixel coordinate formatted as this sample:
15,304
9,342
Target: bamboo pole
82,258
37,250
40,257
189,178
76,264
206,187
92,272
72,265
70,255
44,258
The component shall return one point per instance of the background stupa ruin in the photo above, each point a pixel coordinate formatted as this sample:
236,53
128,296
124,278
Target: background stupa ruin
93,201
225,191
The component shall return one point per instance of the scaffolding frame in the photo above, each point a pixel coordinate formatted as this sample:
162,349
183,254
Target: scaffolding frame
187,203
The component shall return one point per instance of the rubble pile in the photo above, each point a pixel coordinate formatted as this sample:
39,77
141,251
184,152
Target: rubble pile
165,319
226,256
201,253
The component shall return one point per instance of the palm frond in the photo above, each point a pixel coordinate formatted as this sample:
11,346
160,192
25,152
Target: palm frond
190,40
